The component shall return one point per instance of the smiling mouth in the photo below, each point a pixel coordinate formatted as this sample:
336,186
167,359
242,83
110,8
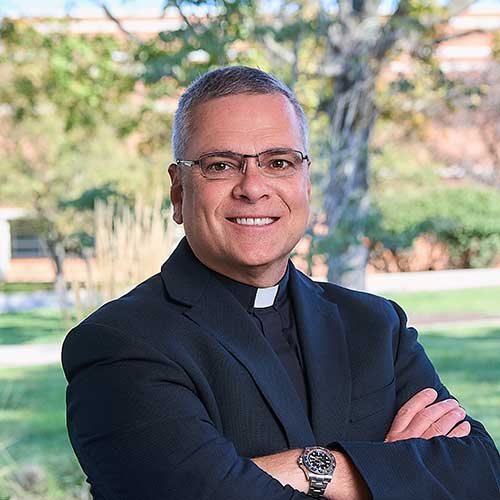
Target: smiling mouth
253,221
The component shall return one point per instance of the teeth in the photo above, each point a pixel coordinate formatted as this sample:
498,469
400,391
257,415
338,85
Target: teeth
254,222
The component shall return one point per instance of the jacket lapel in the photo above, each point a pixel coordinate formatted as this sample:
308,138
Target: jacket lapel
324,347
215,309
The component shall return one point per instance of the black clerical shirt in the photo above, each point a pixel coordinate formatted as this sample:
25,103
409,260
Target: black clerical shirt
277,323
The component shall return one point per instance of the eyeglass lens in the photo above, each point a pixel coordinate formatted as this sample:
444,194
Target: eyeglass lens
275,163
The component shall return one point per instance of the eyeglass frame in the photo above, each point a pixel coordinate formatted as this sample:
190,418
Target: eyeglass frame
243,162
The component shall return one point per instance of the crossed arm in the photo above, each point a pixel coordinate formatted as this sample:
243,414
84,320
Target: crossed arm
419,417
140,430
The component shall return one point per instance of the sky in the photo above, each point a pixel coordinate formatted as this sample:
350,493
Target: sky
76,7
89,7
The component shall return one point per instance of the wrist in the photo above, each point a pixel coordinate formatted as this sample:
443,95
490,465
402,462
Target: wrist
283,467
318,465
347,483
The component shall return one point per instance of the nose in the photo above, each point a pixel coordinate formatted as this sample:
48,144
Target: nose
251,185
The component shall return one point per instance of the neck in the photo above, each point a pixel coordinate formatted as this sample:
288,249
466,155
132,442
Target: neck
263,276
256,276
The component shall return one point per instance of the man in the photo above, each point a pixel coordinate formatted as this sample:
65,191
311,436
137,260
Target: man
230,375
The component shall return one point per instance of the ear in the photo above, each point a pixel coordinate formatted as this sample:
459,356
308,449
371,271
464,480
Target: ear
176,191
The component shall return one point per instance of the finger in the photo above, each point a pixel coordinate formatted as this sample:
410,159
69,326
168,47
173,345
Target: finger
408,411
428,417
443,425
461,430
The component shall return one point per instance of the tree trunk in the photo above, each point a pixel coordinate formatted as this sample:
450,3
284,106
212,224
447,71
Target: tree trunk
352,114
58,254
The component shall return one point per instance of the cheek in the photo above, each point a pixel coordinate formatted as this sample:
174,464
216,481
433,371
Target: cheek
301,197
300,208
203,204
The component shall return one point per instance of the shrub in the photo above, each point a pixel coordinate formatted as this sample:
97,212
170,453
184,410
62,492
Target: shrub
465,219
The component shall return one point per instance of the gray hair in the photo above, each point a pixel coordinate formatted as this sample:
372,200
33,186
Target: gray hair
229,80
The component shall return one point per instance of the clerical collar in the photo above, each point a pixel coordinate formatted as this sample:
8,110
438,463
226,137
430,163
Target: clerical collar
251,297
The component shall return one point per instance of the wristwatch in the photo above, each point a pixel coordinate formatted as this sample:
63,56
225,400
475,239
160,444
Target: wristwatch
318,465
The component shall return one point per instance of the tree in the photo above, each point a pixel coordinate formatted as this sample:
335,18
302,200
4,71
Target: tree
356,44
333,54
65,101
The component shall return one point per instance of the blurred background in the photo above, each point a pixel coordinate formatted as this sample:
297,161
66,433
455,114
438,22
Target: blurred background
403,99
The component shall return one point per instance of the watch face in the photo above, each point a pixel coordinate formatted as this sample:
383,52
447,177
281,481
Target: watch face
319,461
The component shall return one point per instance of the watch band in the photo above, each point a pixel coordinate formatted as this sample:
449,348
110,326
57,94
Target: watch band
317,485
318,481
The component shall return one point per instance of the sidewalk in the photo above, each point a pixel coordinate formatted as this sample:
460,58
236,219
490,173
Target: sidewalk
29,355
375,283
28,301
426,281
425,325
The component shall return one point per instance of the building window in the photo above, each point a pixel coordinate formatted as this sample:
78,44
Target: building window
28,246
25,241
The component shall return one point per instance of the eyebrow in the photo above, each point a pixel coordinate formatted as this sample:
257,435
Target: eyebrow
277,150
213,153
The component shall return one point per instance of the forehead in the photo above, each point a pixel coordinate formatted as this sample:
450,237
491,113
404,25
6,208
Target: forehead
245,123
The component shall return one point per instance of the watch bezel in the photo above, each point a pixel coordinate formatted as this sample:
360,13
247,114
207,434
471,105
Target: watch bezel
326,470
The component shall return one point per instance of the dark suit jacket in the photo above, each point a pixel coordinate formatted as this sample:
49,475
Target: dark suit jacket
172,389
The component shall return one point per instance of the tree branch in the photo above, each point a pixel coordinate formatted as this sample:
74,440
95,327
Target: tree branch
389,36
164,8
118,23
454,36
188,23
278,50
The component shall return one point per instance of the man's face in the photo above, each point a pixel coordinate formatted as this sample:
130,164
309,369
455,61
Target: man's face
246,124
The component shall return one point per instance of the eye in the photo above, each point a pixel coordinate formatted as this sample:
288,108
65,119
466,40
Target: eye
218,166
279,164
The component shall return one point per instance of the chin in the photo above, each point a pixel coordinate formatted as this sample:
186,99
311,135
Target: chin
259,259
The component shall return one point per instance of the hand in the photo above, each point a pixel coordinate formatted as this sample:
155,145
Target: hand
419,418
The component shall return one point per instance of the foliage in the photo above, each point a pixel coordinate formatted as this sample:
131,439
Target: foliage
465,219
131,243
209,36
332,54
58,175
67,102
413,99
68,92
80,77
495,50
475,112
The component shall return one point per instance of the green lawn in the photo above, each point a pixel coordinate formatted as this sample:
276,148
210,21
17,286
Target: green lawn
33,439
467,360
49,326
25,287
37,326
32,421
484,301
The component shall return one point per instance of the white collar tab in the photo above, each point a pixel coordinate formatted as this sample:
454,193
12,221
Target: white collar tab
265,296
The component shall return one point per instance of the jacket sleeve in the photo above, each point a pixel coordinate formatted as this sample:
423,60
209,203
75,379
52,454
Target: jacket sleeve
436,469
141,431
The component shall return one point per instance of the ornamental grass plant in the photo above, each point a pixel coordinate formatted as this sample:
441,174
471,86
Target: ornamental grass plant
131,243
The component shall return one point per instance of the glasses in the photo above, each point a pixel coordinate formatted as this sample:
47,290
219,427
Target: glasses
282,162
